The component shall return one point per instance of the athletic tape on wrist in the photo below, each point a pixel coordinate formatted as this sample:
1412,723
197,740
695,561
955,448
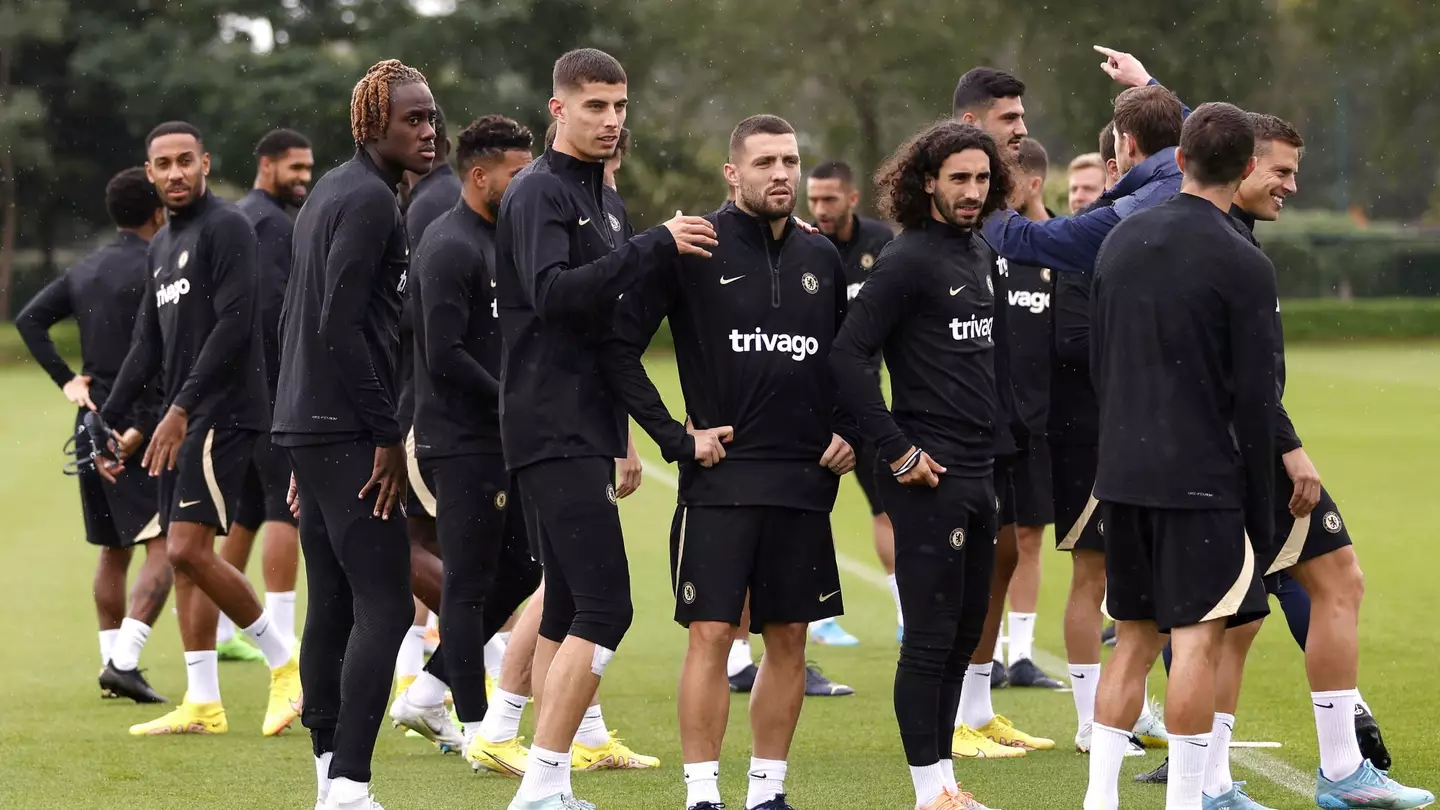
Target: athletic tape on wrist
909,464
600,660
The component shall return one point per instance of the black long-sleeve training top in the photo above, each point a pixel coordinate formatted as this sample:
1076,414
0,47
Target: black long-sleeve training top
274,232
199,323
1029,293
457,337
1286,439
930,305
753,326
867,238
1183,353
339,328
434,195
103,292
1074,414
561,265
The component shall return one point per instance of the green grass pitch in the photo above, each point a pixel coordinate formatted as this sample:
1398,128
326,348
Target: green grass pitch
1370,416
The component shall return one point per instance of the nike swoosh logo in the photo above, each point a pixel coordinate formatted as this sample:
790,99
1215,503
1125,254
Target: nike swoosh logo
191,663
1077,675
514,705
724,280
1325,705
956,290
753,775
184,504
546,761
583,223
823,597
1198,744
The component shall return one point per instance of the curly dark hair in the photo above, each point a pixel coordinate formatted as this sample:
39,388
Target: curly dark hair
900,183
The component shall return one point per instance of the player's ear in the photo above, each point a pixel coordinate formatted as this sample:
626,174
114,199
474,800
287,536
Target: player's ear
557,109
205,165
1249,167
854,197
929,184
1180,159
732,175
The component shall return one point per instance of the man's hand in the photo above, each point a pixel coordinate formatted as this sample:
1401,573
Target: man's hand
710,443
128,442
1123,68
839,456
387,478
803,225
164,446
292,498
925,471
692,234
78,391
629,472
1306,480
110,469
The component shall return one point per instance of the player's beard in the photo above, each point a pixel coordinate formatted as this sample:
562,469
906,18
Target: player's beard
764,206
949,209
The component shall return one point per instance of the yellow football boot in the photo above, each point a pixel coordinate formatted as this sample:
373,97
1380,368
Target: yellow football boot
187,718
614,755
1002,731
285,698
967,744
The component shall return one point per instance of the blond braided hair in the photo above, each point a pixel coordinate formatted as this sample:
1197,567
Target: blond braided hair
370,101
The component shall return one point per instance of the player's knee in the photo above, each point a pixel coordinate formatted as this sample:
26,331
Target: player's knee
923,659
184,556
711,635
786,641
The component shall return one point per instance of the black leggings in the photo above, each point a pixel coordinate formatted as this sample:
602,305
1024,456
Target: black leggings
574,526
357,568
488,570
944,554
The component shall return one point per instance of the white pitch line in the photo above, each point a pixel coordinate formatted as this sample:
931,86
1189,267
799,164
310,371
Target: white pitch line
1281,773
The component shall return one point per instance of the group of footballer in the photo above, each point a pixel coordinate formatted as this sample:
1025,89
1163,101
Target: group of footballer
424,382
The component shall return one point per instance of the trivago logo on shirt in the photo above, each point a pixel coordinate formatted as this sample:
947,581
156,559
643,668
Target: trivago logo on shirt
1036,302
170,293
971,329
798,347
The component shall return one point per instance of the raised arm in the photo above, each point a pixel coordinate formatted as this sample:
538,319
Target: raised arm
1067,244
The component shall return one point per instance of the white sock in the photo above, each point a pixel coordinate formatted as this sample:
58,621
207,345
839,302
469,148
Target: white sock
929,783
1107,750
1218,780
592,732
502,717
546,775
322,777
895,594
702,783
975,709
1360,701
947,773
270,639
202,677
494,656
344,790
767,780
1022,636
1086,681
739,657
281,607
433,620
412,653
1189,754
107,643
125,655
1335,726
1146,716
224,629
999,654
426,691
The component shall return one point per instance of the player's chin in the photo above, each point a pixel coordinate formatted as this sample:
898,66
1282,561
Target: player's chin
421,162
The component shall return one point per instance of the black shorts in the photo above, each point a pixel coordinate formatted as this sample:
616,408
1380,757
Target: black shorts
1180,567
784,558
1297,540
1072,472
266,488
208,478
121,514
866,471
420,495
1033,504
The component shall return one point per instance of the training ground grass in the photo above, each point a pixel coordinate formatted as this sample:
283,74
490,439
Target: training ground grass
1368,414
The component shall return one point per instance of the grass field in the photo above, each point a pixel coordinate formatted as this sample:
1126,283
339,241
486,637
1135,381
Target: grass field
1370,415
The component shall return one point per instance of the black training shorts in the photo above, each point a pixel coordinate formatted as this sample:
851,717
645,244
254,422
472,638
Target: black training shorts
263,498
784,558
121,514
1300,539
1033,503
1180,567
1072,473
208,478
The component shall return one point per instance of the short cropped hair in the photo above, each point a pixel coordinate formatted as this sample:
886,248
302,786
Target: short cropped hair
834,170
982,86
1033,160
1151,115
1107,142
1217,143
490,136
174,128
1089,160
1273,129
277,142
131,199
583,65
757,125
